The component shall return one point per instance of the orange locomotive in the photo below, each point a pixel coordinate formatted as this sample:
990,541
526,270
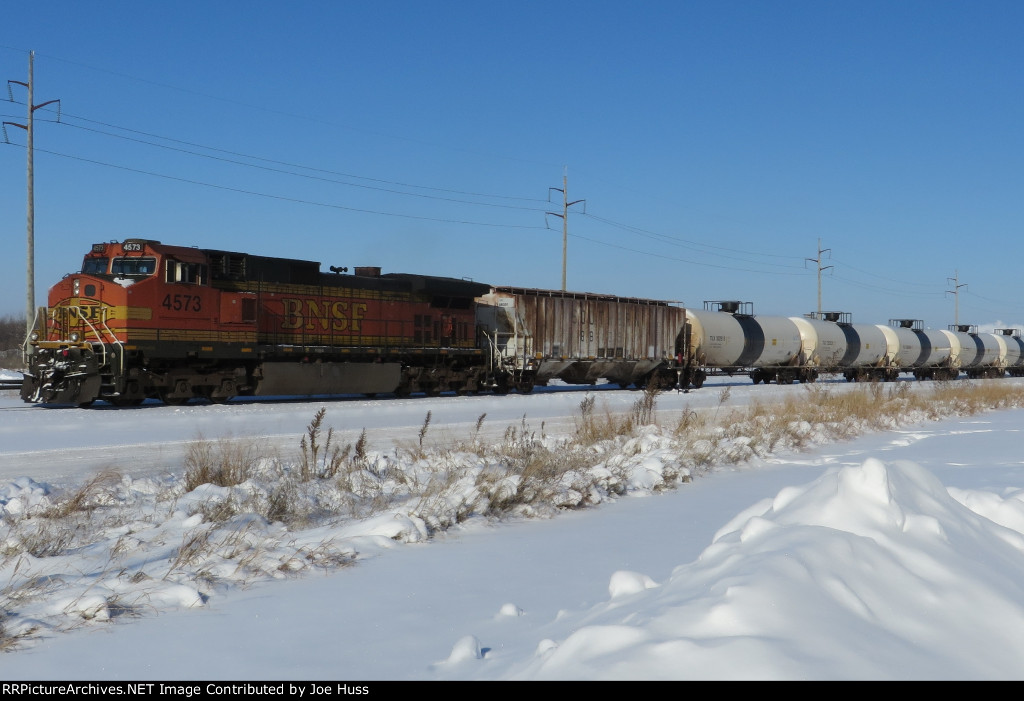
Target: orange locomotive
143,319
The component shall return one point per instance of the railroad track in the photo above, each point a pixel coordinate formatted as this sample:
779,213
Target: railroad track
10,384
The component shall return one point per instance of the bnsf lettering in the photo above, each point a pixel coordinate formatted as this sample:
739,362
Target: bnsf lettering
90,313
312,314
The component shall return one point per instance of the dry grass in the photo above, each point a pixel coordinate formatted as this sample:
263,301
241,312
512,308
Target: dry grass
225,462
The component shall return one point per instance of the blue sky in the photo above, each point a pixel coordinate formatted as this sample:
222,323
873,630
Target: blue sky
713,144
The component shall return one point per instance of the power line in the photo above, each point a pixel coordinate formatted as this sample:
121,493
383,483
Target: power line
320,170
280,197
276,162
745,256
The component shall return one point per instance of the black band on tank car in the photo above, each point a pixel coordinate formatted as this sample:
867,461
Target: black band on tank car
853,345
753,340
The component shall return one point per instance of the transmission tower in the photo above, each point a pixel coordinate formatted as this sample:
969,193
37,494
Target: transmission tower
30,283
817,261
565,217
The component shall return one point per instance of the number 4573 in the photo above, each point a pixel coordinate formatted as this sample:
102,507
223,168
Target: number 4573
182,303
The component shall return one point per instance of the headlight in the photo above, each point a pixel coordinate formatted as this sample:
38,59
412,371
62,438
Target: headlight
34,336
75,285
75,337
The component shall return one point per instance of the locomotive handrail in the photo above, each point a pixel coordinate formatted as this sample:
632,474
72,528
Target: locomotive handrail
102,345
117,341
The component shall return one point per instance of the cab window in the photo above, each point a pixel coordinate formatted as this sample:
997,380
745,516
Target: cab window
95,266
133,266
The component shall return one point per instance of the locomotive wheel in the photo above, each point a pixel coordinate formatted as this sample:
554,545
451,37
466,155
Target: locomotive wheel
172,401
524,387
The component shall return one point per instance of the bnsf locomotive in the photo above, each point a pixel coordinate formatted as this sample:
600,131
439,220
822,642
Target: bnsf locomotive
145,320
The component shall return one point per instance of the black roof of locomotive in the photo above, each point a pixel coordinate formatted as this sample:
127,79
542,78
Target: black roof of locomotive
245,267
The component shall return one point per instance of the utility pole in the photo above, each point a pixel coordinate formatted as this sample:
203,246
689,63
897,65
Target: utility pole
820,268
956,295
565,217
30,303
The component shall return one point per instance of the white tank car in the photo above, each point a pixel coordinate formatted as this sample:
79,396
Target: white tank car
719,339
1014,351
987,352
908,348
824,345
732,339
868,355
965,349
823,342
937,360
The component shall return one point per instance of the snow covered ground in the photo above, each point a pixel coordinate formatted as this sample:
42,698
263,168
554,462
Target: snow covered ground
895,555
